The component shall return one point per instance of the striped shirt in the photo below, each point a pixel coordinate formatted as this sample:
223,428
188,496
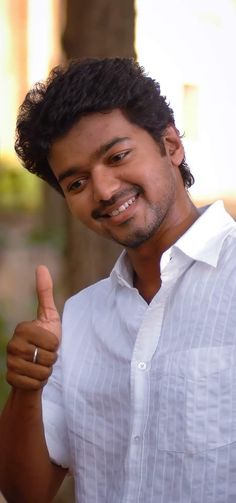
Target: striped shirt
141,405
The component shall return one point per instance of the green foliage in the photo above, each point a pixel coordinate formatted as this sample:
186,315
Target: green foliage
54,238
19,190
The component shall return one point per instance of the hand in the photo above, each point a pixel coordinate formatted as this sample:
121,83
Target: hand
43,333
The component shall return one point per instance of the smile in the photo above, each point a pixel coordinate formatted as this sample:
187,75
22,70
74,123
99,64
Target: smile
122,208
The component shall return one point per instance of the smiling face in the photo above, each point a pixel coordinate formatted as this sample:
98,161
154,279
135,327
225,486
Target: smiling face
115,179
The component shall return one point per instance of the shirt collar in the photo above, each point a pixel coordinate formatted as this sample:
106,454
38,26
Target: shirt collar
202,241
122,271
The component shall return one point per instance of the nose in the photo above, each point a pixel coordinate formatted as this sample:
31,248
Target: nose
104,182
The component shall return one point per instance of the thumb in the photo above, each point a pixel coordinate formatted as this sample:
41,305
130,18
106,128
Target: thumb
47,314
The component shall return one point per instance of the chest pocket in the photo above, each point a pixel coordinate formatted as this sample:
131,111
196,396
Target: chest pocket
198,400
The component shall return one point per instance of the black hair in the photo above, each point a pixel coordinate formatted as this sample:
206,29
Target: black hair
82,87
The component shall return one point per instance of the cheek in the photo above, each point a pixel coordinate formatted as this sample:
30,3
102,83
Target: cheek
82,211
77,207
81,207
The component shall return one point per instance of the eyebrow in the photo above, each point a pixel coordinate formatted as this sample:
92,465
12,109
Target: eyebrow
98,153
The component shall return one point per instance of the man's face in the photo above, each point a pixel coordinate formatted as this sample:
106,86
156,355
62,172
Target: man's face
115,179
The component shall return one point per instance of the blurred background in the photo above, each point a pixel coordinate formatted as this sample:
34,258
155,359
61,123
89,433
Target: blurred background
187,45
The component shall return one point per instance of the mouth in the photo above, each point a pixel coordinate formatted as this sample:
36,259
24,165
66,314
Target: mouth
113,210
122,208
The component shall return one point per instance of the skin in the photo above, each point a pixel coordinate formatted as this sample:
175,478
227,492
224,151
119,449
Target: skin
102,163
105,165
21,428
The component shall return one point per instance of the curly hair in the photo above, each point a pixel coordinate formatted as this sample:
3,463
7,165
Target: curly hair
82,87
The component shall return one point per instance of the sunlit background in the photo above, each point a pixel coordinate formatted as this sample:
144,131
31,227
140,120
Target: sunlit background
29,47
188,46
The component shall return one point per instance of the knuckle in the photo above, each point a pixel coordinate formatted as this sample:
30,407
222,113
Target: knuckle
11,346
11,363
16,340
11,378
21,328
54,358
47,372
37,385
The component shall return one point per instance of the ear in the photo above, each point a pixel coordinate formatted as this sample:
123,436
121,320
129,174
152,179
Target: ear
173,145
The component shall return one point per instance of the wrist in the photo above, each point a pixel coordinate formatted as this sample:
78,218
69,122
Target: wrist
26,398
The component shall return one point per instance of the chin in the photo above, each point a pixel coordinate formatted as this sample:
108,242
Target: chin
136,239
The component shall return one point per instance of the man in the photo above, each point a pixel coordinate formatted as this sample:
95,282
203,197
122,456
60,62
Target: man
141,404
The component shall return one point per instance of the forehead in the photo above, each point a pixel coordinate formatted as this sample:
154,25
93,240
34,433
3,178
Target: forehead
90,135
95,129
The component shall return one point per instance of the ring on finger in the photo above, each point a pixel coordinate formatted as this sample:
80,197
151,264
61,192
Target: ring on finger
35,356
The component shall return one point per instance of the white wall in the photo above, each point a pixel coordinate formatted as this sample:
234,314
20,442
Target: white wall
194,42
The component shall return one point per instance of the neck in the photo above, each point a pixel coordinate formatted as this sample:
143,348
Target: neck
146,258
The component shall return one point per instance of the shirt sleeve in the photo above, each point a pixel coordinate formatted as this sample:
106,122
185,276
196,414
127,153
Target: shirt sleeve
54,418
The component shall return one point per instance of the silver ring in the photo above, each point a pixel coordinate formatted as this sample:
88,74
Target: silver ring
35,355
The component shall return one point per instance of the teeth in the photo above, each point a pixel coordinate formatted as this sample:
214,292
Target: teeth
122,208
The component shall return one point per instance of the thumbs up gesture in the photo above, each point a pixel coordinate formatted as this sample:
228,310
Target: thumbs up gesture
32,351
47,314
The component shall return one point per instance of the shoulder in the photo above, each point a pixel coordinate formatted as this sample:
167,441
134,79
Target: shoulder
82,302
85,295
83,314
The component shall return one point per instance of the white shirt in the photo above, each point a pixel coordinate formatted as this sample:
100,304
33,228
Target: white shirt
141,405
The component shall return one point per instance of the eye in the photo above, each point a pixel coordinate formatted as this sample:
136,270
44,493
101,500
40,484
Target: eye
77,185
117,158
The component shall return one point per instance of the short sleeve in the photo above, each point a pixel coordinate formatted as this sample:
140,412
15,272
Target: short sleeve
54,419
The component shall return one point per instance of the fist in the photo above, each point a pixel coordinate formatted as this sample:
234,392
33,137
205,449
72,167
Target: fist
32,351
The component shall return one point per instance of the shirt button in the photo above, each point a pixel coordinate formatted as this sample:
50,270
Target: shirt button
142,366
137,438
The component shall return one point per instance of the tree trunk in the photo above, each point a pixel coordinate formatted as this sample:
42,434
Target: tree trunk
94,28
99,28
